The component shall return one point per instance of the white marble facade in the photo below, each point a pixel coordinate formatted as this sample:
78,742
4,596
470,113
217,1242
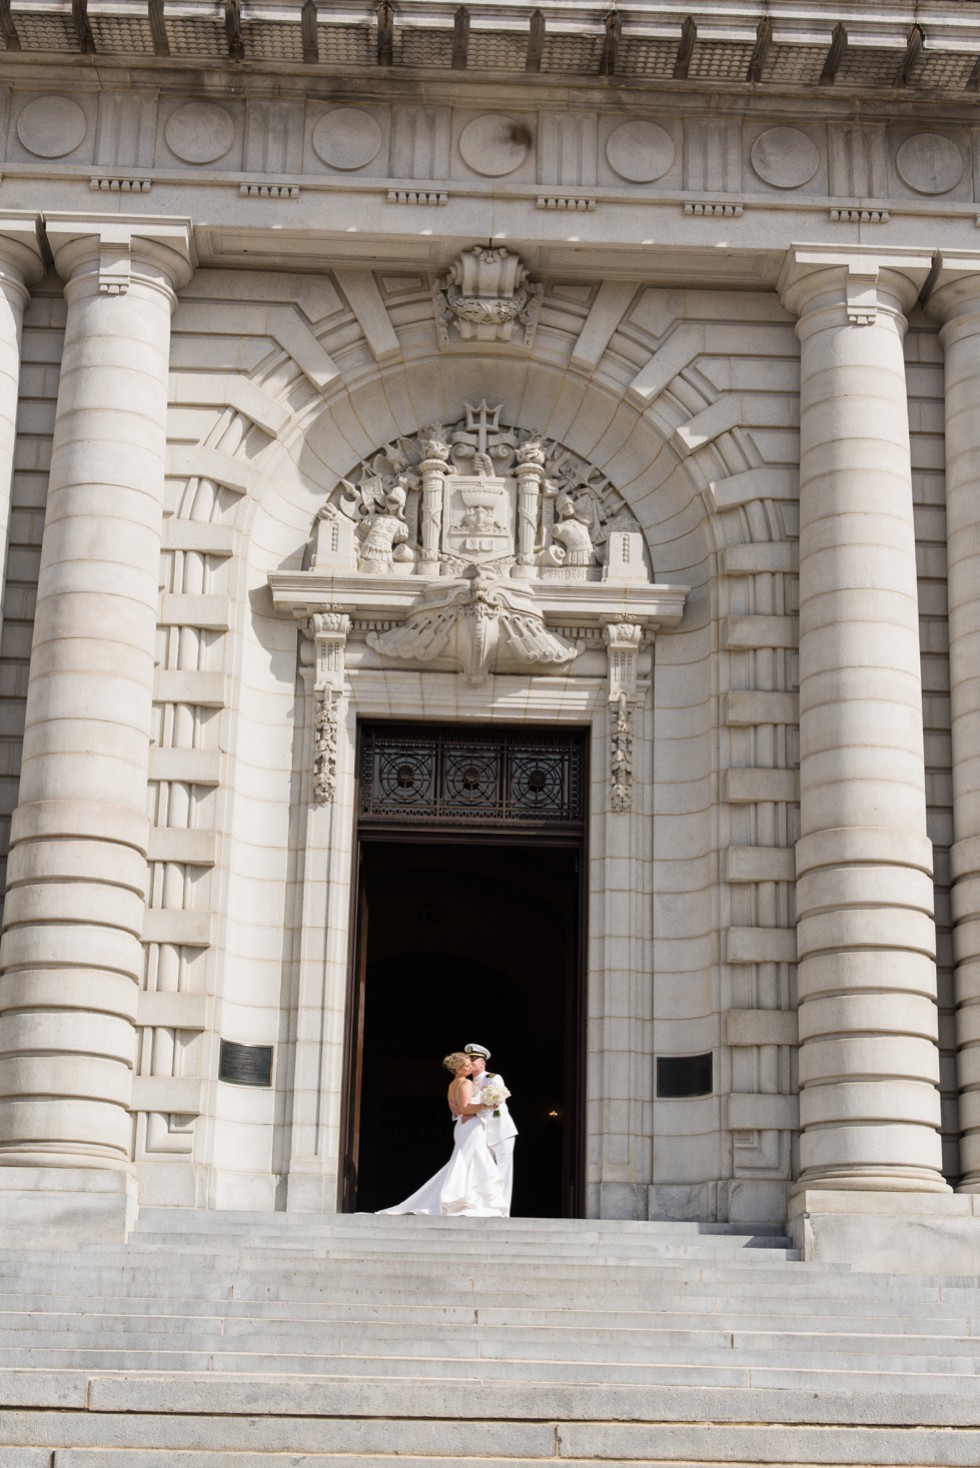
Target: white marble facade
732,354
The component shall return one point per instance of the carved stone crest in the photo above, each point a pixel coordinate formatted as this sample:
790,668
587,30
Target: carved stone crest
479,492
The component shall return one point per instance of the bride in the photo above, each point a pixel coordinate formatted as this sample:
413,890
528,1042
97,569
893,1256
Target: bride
470,1183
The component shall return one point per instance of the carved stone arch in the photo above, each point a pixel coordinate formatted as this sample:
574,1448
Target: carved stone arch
265,494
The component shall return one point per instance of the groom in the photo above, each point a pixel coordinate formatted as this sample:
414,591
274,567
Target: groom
501,1130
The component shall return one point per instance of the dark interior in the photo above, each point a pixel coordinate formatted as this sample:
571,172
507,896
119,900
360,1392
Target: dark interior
469,943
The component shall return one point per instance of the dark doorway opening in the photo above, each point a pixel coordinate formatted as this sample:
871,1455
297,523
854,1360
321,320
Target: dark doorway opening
462,943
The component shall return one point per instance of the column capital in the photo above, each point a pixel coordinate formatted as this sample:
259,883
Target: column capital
21,254
956,284
111,245
856,275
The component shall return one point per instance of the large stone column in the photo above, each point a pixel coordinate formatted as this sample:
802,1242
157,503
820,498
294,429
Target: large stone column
956,302
869,1062
21,265
71,954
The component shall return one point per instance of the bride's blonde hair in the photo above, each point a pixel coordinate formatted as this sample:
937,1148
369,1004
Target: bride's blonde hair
456,1061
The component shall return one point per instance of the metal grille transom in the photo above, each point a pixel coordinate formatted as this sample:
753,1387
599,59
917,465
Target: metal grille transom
450,775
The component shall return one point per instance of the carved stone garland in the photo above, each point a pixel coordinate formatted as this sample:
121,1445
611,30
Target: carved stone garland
623,640
329,630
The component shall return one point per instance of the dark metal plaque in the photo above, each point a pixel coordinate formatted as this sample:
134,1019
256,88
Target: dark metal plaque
445,776
684,1075
245,1065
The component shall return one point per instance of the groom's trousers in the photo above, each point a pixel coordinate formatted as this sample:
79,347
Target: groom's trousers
503,1155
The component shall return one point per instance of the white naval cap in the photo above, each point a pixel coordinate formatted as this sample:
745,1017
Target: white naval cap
477,1050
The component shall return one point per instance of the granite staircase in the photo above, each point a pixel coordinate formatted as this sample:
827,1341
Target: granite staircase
273,1341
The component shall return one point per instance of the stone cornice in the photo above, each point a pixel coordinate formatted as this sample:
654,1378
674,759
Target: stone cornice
871,47
389,598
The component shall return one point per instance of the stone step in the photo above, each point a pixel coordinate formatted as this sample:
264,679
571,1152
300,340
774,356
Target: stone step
927,1354
255,1395
819,1293
682,1315
174,1221
498,1374
405,1250
563,1341
684,1446
101,1439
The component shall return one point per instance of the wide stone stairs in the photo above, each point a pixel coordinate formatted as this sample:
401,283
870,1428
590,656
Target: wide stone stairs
284,1341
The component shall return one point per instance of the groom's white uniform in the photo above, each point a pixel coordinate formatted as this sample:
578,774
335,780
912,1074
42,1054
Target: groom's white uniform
501,1130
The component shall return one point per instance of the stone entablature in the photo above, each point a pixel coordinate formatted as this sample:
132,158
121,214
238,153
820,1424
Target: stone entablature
529,150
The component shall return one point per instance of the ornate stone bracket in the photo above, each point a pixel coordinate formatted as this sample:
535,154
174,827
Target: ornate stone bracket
485,296
623,641
329,631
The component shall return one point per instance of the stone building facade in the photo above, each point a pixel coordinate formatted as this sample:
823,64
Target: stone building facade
520,374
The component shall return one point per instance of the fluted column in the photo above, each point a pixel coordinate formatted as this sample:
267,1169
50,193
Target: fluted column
70,955
956,302
869,1062
21,265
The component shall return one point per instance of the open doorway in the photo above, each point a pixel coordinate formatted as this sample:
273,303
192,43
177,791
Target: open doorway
466,942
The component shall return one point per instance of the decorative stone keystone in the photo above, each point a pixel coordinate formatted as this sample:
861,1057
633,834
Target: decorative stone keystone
485,296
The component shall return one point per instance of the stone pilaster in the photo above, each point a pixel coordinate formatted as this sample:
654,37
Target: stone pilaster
21,265
869,1100
956,302
71,954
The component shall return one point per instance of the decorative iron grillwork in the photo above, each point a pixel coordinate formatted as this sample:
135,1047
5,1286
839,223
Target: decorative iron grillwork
449,776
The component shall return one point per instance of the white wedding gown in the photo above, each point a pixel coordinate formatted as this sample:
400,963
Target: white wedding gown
470,1183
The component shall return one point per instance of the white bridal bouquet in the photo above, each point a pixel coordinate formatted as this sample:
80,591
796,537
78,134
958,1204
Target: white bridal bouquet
494,1094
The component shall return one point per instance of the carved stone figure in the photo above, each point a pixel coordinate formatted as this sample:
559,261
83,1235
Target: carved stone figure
571,547
384,537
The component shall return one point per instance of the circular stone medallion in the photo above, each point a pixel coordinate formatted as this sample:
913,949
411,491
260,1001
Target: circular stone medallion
346,138
199,132
640,151
929,163
50,127
494,145
785,157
